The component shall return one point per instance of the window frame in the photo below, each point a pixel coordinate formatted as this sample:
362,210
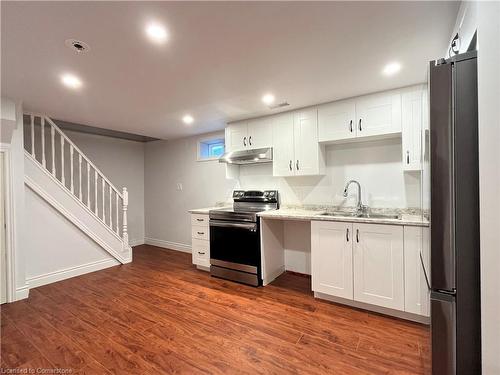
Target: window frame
209,141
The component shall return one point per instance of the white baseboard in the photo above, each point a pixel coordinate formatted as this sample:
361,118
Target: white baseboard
69,272
136,242
168,244
22,293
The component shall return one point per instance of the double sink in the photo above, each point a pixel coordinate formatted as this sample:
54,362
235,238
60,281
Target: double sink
364,215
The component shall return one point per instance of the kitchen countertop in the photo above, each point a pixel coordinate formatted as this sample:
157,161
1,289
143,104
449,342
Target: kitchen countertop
204,211
306,215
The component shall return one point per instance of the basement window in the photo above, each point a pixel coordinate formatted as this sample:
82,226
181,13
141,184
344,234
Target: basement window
210,148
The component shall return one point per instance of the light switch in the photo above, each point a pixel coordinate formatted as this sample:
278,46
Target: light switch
179,186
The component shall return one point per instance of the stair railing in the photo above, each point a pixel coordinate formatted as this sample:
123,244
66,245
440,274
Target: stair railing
87,184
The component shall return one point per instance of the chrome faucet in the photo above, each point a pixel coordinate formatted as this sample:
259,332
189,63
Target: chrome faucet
359,207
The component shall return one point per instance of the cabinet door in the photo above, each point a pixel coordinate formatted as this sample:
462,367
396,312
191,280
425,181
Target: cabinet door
378,265
417,294
283,152
412,123
378,114
305,130
236,136
260,133
336,121
331,258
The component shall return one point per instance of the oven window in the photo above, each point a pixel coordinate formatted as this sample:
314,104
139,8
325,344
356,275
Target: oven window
236,245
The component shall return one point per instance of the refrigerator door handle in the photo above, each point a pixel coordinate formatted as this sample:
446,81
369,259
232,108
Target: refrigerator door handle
425,272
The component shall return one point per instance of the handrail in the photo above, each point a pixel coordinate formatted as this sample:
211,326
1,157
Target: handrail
61,133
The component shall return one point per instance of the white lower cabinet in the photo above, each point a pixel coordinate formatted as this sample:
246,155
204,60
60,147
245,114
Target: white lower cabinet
378,265
374,264
417,268
200,240
331,258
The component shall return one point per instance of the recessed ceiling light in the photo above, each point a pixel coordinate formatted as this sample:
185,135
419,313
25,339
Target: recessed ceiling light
268,99
392,68
71,81
188,119
156,32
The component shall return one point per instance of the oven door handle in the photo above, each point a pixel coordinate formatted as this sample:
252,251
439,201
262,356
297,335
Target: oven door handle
230,224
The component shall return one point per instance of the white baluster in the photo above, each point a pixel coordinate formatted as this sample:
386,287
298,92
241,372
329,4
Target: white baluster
103,201
42,124
110,207
62,160
95,190
117,222
71,168
125,206
53,154
88,185
80,176
32,136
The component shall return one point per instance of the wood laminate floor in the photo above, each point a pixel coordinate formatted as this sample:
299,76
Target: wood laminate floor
159,315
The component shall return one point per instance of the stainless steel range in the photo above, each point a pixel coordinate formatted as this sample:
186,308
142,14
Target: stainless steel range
235,236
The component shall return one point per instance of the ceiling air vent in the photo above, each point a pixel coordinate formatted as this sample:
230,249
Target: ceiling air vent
279,105
77,45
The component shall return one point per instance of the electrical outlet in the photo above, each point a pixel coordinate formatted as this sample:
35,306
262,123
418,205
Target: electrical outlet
179,186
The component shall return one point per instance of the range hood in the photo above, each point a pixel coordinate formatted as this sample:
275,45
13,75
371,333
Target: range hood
258,155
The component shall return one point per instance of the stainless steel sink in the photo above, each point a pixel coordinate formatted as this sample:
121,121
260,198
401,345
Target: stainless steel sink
364,216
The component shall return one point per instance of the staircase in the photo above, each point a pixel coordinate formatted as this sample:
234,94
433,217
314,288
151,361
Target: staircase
59,172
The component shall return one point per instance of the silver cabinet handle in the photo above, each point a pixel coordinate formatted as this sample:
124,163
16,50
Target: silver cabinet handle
360,125
250,140
290,165
357,235
245,141
407,157
201,232
425,272
201,253
350,126
347,235
297,165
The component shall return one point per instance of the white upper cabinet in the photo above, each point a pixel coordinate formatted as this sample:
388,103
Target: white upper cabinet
378,114
412,104
417,269
336,121
308,156
378,265
237,136
260,133
246,135
331,258
283,147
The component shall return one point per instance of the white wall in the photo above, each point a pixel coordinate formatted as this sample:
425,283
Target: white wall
488,22
168,163
55,248
122,162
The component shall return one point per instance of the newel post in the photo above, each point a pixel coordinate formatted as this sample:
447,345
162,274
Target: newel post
125,206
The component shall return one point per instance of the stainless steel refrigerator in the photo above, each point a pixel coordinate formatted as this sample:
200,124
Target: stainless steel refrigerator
455,281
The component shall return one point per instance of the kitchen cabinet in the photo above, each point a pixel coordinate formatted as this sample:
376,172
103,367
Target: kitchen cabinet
247,135
417,268
336,121
200,240
331,258
378,265
412,103
366,116
296,149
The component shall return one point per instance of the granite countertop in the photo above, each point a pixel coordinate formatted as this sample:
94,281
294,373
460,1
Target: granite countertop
314,214
204,211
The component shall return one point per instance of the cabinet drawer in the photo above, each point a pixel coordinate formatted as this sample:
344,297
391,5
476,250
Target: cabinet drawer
200,232
199,220
201,252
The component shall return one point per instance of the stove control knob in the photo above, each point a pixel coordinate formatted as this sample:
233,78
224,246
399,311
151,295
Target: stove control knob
271,193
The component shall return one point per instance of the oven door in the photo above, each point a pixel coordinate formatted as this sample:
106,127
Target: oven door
235,246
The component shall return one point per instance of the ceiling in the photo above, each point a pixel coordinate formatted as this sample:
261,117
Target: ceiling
220,59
